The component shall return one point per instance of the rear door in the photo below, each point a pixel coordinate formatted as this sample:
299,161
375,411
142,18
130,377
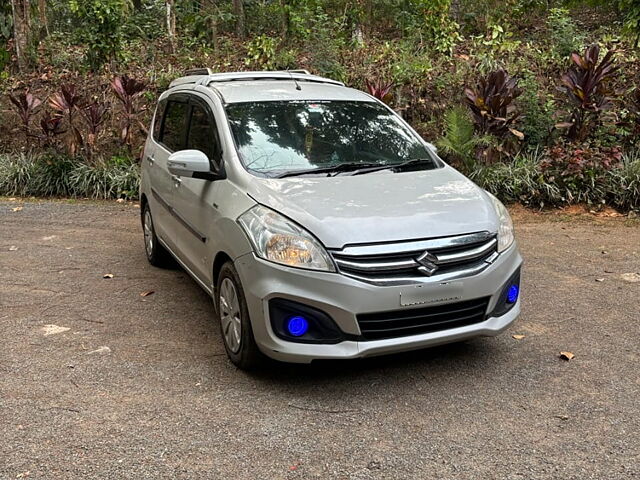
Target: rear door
196,200
171,137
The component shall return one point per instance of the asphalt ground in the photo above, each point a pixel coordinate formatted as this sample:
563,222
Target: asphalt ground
97,381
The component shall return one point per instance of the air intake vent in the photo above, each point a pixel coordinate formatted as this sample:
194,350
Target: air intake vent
401,323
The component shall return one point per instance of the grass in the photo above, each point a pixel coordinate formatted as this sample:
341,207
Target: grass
60,176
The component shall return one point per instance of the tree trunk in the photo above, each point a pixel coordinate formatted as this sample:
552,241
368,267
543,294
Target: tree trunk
42,15
171,23
238,11
210,8
21,27
284,19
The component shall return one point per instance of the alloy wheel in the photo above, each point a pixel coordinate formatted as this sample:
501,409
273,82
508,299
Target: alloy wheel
230,315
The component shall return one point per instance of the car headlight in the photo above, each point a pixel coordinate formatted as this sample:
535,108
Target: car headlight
279,240
505,230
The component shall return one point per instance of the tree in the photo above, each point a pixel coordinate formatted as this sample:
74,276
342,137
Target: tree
21,30
171,23
238,11
42,16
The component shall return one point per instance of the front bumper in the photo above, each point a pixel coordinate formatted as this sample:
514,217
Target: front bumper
343,298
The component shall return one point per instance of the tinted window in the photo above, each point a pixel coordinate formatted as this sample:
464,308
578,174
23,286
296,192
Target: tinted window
175,126
275,137
202,132
157,122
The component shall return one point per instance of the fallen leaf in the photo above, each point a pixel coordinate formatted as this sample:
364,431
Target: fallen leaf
107,275
17,209
631,277
566,356
46,239
147,293
13,248
103,349
599,279
120,200
518,337
53,329
562,417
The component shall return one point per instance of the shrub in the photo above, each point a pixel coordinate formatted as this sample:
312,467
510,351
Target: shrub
494,113
101,29
459,143
624,183
519,181
588,86
581,173
58,175
537,118
565,37
118,177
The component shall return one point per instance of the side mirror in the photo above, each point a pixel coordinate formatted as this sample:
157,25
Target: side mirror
189,163
432,147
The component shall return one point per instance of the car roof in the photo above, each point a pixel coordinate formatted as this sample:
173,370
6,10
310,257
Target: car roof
240,87
280,90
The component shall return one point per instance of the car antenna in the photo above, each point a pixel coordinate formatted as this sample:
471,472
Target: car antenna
298,87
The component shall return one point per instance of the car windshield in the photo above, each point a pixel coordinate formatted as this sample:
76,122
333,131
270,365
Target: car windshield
276,138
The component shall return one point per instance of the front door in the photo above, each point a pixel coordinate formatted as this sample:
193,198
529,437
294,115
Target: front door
195,200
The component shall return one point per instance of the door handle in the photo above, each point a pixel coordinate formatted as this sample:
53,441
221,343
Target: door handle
150,160
176,180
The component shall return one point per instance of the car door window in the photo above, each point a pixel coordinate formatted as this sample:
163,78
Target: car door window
157,120
174,126
203,134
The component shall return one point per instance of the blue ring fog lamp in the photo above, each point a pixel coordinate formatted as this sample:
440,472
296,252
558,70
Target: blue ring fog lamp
512,294
297,326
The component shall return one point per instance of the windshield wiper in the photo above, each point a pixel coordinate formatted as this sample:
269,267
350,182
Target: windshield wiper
397,166
341,167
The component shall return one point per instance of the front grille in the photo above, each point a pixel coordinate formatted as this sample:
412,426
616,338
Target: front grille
401,323
401,263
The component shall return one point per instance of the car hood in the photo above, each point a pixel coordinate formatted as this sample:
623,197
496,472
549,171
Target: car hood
380,207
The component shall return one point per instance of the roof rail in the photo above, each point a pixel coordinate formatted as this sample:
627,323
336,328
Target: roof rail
198,71
205,78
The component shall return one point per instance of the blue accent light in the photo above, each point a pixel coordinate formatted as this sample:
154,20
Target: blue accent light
297,326
512,294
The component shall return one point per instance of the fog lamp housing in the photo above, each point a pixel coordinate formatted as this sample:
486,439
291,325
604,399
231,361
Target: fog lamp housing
509,295
297,322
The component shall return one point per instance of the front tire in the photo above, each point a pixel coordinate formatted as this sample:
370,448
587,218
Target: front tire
235,324
157,255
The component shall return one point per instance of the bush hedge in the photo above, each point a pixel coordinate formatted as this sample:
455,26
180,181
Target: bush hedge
61,176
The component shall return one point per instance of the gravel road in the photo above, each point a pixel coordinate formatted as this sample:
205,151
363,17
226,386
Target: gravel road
97,381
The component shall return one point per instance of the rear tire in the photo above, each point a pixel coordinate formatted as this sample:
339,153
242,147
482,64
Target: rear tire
157,255
235,324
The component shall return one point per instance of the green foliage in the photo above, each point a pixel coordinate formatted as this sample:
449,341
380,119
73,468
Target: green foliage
624,183
564,37
101,30
537,111
459,143
519,181
58,175
118,177
261,52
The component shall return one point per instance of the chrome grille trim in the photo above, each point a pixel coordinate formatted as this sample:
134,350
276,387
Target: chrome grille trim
415,246
467,254
402,263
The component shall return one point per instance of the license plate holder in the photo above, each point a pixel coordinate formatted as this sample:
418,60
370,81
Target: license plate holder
444,292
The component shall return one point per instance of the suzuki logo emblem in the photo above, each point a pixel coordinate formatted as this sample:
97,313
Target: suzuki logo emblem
428,263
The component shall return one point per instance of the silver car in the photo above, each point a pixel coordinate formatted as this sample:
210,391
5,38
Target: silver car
322,225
